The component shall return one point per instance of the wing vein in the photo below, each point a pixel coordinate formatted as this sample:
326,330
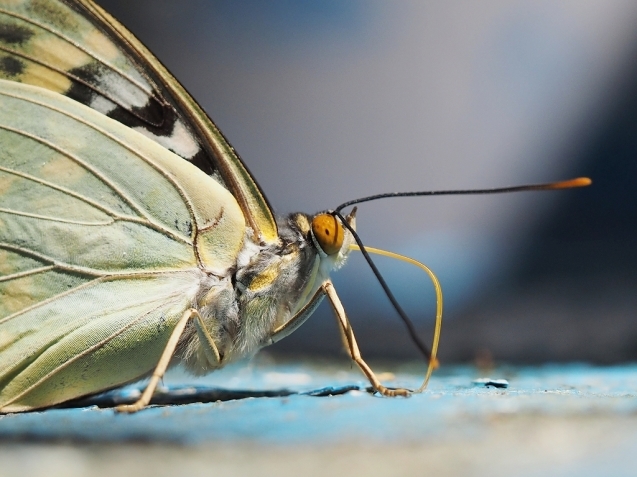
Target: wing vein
87,351
148,91
75,159
148,219
47,301
26,273
65,267
64,190
137,153
97,278
79,80
53,219
57,264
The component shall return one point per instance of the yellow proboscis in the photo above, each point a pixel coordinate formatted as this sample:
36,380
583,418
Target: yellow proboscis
433,361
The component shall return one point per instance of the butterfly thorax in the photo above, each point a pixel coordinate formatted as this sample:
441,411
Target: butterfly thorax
268,288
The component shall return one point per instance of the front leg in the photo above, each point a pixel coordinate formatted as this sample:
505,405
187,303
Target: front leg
352,347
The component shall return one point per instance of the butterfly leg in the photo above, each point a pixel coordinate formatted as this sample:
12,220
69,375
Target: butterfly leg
207,343
352,346
162,365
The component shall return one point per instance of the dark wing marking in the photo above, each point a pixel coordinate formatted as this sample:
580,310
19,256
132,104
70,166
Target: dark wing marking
75,48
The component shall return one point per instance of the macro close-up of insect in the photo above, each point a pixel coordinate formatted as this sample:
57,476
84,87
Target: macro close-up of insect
131,230
132,234
168,301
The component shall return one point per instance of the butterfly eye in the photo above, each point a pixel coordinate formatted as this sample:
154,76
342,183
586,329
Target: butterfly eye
328,232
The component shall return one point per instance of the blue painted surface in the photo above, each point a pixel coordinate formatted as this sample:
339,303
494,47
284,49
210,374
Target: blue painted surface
451,401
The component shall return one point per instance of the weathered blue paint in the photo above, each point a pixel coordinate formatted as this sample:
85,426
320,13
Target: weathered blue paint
452,400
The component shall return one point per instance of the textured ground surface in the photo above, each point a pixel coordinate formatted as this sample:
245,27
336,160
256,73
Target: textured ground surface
551,420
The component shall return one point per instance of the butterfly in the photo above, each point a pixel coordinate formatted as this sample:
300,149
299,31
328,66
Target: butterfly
131,233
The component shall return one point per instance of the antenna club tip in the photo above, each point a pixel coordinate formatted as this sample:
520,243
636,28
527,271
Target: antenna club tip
577,182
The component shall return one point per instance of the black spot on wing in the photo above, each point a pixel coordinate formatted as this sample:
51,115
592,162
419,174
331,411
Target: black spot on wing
56,13
14,34
203,161
154,115
157,118
184,227
81,93
11,66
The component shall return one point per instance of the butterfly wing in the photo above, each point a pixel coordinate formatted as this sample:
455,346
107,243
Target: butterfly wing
95,337
104,239
75,48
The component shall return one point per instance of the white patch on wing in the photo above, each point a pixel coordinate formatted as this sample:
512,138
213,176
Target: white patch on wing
101,104
120,88
180,141
217,177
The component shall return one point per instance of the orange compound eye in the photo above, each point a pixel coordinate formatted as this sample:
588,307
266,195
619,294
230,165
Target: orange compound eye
328,232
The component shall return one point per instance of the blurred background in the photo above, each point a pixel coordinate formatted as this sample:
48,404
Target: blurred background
330,100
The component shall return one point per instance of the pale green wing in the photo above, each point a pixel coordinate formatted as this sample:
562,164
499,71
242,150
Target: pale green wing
104,238
75,48
95,337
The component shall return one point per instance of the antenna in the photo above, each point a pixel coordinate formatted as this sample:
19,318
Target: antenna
567,184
